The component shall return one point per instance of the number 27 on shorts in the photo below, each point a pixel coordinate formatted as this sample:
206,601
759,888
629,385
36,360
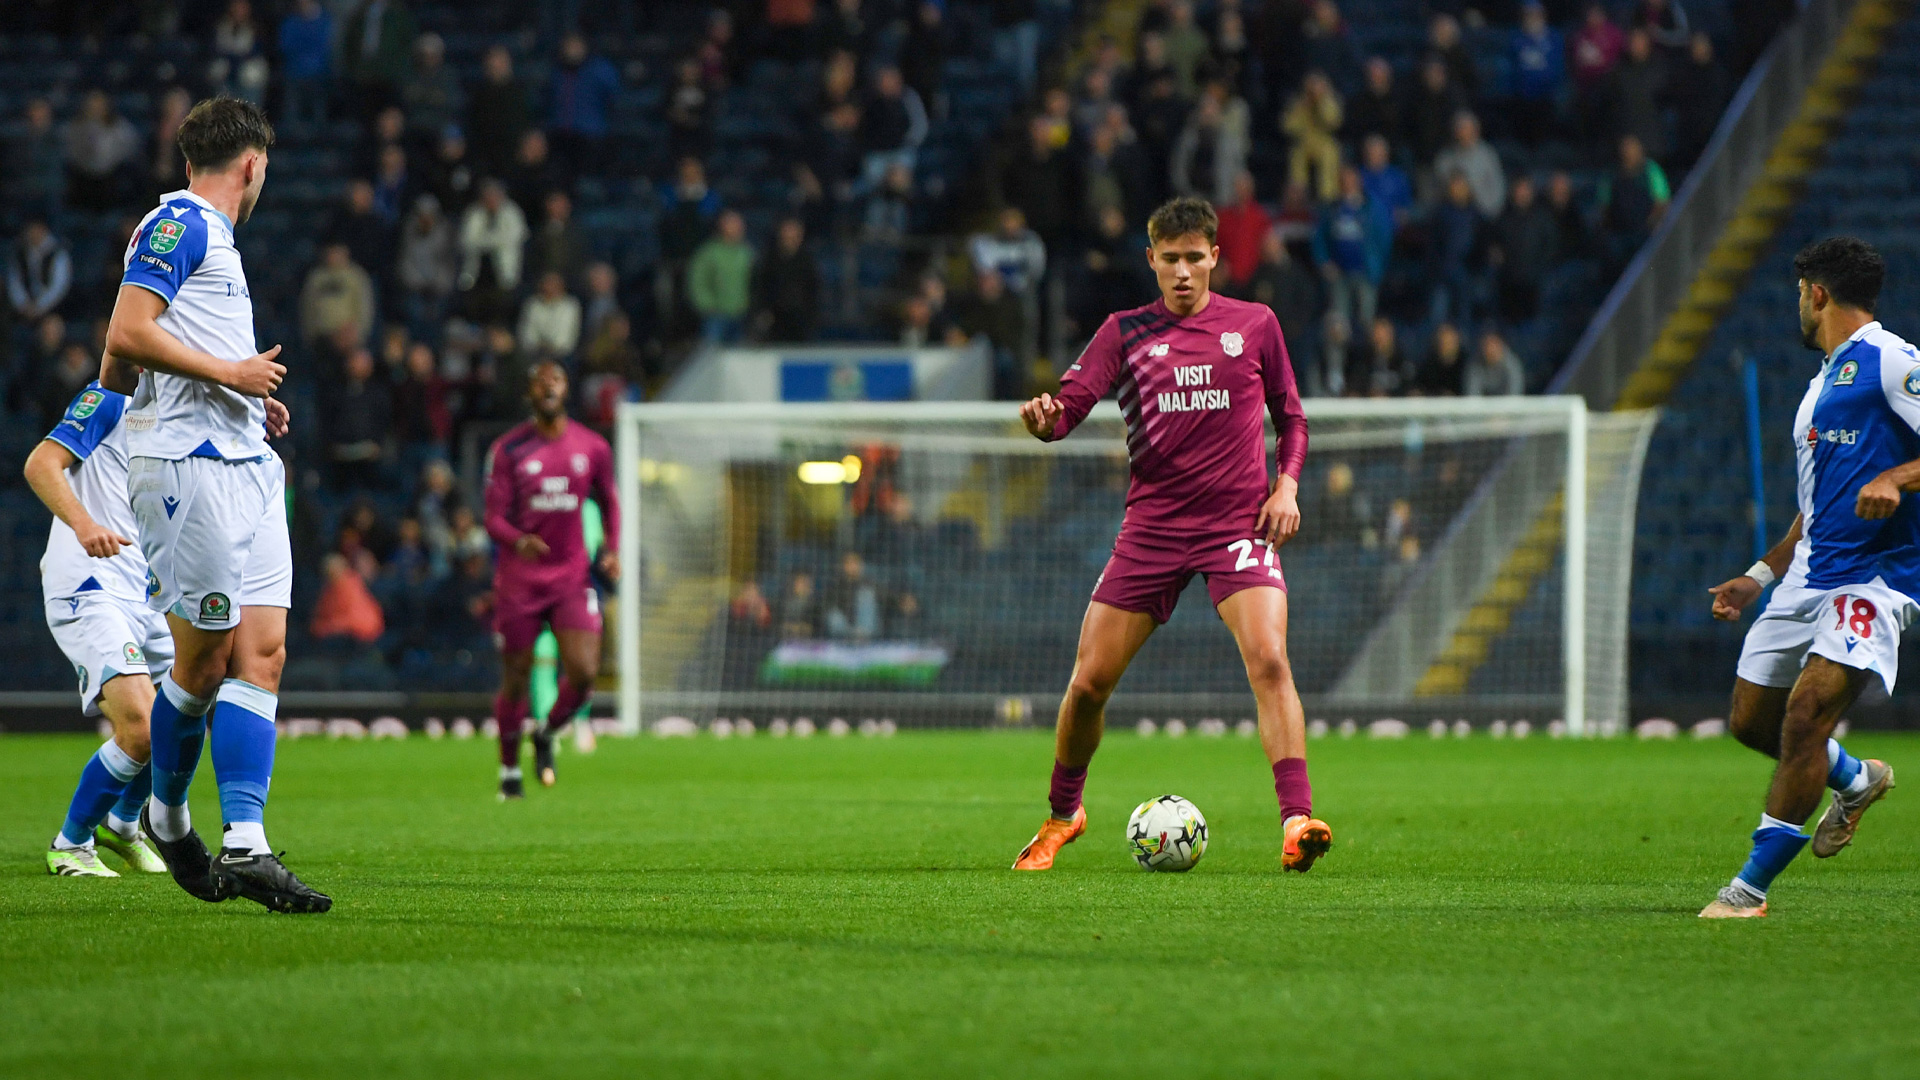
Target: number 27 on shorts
1244,558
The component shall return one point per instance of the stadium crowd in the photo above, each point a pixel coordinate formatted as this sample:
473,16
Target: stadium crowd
1435,218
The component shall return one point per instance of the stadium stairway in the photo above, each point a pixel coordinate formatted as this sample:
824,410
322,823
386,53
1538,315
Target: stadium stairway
1512,615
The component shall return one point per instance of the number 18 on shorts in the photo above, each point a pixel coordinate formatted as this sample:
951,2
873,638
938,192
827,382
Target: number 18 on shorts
1858,626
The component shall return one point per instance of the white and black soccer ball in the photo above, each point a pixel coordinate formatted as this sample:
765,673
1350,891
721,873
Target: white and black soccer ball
1167,833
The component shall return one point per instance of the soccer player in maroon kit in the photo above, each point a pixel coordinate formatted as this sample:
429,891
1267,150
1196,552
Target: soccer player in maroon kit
537,476
1192,372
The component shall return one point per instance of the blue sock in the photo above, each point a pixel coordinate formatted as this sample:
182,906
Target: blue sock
1844,771
243,760
1775,843
135,797
179,729
102,783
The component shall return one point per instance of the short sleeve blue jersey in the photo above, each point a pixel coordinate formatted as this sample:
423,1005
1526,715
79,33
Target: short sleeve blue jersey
93,431
183,252
1859,418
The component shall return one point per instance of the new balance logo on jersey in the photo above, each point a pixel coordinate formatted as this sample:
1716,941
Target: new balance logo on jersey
1157,350
170,504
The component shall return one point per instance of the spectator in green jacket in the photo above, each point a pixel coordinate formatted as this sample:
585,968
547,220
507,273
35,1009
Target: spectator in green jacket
720,280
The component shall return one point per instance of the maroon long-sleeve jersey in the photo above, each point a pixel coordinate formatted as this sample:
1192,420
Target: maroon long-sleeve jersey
536,485
1192,390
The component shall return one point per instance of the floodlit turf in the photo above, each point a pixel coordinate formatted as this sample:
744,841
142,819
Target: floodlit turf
843,908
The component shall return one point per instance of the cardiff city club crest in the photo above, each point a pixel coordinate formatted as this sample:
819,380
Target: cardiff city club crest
1231,343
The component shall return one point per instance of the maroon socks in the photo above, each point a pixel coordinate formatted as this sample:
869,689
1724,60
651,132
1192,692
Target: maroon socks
565,705
1064,793
1290,784
511,716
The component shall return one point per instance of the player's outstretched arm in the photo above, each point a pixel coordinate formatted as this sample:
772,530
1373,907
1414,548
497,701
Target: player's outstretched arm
134,337
1042,415
46,470
1732,596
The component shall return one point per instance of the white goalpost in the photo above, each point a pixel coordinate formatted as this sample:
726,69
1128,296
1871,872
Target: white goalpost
928,563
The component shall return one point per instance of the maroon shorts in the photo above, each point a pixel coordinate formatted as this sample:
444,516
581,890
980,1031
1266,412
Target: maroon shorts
1148,570
517,625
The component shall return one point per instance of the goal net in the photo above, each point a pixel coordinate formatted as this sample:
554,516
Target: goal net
929,563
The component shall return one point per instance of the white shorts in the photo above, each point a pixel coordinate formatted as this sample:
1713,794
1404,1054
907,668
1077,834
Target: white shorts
1855,625
105,637
215,536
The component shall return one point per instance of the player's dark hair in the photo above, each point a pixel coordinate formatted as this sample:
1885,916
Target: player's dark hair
220,129
1847,267
1183,216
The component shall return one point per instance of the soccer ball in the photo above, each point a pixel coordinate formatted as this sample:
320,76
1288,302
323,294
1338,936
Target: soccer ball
1167,833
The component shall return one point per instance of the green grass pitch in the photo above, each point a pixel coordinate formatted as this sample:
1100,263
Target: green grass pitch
842,908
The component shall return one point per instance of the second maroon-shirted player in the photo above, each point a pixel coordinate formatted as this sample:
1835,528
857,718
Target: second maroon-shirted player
538,475
1193,372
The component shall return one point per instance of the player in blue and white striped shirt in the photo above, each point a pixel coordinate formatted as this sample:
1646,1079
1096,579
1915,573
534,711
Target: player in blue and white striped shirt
209,497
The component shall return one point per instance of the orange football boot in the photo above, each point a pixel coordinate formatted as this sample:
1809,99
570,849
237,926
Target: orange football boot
1054,834
1308,838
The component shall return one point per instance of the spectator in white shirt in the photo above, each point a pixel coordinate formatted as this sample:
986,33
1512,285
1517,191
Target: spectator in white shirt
492,236
550,321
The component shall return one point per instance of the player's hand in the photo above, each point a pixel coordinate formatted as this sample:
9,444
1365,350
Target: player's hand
1280,515
100,541
257,376
1041,414
530,547
610,566
1730,598
278,418
1878,500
